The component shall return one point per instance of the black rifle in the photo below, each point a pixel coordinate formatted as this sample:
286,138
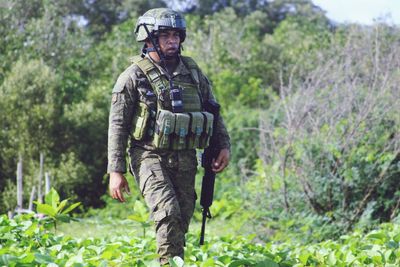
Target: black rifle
210,153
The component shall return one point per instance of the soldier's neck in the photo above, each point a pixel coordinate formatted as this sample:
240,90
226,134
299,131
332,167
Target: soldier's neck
170,63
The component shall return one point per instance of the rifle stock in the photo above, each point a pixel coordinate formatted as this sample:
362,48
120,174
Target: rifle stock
210,153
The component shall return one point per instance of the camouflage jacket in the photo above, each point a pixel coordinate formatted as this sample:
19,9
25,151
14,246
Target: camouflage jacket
131,87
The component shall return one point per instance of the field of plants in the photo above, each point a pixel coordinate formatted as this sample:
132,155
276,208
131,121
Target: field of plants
25,241
28,240
311,106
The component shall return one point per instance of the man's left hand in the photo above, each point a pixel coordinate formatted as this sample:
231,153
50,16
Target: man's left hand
222,160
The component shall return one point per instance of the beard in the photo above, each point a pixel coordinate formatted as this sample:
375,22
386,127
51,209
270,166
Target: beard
171,55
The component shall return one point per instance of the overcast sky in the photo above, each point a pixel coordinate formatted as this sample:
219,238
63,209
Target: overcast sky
361,11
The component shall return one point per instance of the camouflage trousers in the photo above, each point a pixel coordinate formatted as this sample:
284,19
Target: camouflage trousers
166,180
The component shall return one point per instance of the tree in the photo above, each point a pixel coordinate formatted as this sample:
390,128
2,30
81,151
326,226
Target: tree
333,135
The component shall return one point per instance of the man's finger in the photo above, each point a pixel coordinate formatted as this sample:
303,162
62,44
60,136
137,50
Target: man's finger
217,168
127,189
221,166
120,196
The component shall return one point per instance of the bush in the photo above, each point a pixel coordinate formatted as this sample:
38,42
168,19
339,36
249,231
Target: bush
332,139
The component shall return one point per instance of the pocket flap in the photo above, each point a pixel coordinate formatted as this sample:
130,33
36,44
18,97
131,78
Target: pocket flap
197,123
208,124
182,124
165,122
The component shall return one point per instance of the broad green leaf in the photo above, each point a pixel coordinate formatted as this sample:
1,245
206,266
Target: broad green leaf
380,236
26,224
153,263
41,258
349,258
5,229
304,258
176,262
62,205
151,256
63,217
332,259
267,263
107,255
397,238
6,259
225,259
137,218
46,209
52,198
393,245
208,263
27,258
31,230
71,208
140,263
56,248
238,263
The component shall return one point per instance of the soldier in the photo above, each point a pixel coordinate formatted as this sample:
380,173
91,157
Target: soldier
158,105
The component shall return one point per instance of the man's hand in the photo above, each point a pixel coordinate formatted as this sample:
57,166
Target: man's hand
118,185
222,160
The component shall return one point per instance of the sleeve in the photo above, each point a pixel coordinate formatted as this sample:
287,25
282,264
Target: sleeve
221,130
120,122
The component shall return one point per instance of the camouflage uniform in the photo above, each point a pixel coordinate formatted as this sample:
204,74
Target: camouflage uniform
166,178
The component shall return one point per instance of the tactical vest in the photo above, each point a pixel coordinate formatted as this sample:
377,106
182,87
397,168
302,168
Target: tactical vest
189,129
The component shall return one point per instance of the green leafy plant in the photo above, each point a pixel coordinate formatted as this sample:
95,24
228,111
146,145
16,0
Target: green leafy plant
54,209
141,216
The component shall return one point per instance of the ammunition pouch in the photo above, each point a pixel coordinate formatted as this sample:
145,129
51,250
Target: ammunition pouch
143,122
179,131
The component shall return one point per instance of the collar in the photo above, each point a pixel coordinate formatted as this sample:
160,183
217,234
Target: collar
181,69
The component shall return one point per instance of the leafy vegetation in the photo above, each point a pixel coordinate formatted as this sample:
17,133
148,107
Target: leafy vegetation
25,242
54,209
311,107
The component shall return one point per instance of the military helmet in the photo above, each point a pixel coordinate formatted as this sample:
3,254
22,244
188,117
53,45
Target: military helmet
159,19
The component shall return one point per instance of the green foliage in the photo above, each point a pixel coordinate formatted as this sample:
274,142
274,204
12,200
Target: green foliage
140,215
225,41
55,209
329,145
9,196
28,112
300,37
302,160
24,241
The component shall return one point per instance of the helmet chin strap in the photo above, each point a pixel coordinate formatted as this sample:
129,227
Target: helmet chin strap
155,46
160,54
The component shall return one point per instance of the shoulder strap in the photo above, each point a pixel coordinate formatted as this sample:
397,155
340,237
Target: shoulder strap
135,59
153,75
193,67
195,73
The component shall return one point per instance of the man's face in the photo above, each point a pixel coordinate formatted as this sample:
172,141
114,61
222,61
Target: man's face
169,41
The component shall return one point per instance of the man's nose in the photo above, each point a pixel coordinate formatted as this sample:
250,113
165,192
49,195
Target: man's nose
172,39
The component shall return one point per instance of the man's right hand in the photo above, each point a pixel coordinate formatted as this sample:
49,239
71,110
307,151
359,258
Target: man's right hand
118,184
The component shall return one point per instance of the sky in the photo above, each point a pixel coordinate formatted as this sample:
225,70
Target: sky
361,11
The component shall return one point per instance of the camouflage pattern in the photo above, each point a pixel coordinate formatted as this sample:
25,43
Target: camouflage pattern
166,178
157,19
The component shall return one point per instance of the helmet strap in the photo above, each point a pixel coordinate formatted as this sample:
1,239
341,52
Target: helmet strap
155,46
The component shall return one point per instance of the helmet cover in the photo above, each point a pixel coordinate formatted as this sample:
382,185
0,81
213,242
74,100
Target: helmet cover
159,19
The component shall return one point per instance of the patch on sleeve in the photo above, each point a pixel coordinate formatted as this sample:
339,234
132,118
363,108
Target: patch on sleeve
121,81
